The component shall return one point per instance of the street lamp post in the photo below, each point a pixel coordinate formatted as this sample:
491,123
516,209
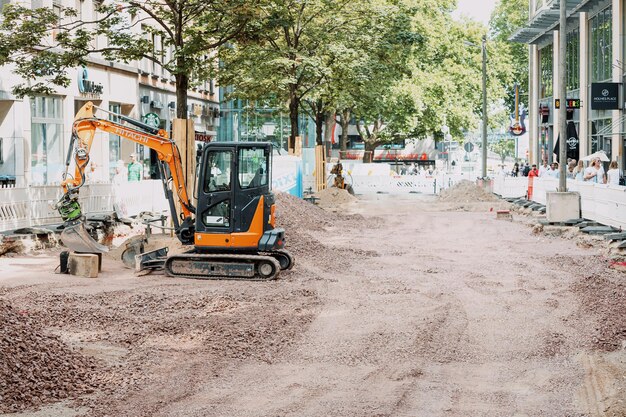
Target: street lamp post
484,150
562,94
484,88
447,138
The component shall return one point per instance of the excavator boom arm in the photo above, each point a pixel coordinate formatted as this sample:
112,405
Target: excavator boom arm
84,129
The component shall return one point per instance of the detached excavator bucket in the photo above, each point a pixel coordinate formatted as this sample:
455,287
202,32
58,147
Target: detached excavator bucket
76,237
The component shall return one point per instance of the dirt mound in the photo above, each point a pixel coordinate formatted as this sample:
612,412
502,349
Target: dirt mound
332,197
466,192
293,213
35,367
302,222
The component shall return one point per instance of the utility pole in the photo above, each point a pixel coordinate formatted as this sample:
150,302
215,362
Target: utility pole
484,167
562,97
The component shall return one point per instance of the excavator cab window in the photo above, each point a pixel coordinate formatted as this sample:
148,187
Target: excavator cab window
253,167
217,171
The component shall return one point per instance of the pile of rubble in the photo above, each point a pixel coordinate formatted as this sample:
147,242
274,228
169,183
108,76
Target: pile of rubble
302,221
36,367
333,197
467,192
602,293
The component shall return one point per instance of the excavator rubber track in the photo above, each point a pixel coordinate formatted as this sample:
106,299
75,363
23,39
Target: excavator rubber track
222,266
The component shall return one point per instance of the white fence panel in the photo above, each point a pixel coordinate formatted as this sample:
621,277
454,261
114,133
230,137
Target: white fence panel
34,206
14,208
510,187
603,203
398,184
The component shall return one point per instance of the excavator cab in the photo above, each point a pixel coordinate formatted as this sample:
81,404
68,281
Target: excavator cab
235,209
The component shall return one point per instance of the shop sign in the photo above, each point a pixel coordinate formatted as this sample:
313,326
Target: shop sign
86,86
571,103
203,137
604,96
152,120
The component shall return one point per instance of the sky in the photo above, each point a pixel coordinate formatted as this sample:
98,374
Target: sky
479,10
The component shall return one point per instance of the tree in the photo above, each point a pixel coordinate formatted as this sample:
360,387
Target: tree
287,58
511,60
504,148
43,43
368,86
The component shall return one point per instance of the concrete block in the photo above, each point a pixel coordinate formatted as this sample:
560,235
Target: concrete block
562,206
84,264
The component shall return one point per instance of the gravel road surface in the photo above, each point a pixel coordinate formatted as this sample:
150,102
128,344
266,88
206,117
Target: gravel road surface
406,307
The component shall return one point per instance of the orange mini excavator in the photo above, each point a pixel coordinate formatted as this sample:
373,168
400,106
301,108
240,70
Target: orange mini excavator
232,232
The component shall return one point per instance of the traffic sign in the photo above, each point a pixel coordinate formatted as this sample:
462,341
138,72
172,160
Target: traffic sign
469,147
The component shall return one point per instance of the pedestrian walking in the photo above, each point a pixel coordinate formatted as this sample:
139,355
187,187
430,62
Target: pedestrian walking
612,174
579,171
591,173
553,171
571,165
532,174
134,169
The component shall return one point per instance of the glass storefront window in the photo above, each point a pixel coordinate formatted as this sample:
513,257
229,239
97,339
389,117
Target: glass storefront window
47,163
545,59
572,60
601,49
600,142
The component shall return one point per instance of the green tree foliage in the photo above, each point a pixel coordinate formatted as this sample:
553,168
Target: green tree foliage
43,43
504,148
296,44
510,59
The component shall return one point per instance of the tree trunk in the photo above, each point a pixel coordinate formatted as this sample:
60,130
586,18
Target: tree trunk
319,126
294,104
329,130
182,85
370,147
345,124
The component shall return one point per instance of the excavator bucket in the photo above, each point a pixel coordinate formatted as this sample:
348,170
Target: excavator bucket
76,237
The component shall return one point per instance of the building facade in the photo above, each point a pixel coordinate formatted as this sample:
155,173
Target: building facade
595,71
35,132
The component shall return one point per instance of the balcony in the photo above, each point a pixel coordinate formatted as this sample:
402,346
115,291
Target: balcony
545,19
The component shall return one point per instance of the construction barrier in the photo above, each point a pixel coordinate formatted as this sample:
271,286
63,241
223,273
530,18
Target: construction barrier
603,203
34,205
